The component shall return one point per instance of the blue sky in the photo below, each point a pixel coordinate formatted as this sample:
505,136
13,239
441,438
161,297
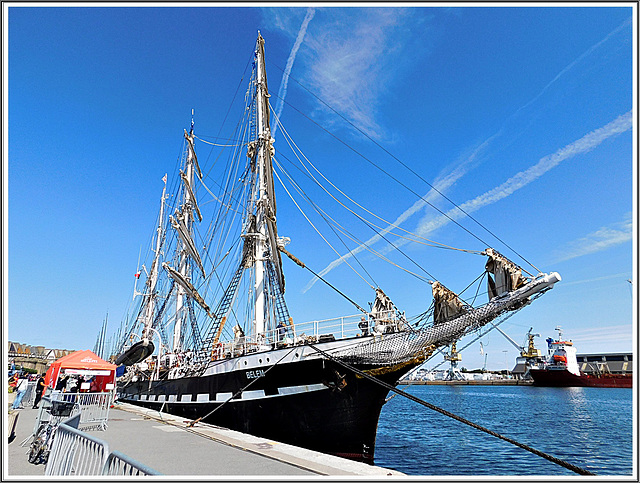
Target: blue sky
520,114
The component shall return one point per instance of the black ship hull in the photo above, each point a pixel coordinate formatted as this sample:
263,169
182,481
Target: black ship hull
315,404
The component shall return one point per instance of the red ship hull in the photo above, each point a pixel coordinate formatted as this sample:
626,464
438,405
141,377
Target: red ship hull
564,378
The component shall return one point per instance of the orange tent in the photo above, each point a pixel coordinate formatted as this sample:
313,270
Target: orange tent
84,363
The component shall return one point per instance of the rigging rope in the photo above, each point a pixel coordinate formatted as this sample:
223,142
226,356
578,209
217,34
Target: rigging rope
218,145
318,231
343,230
298,262
192,423
433,243
408,168
553,459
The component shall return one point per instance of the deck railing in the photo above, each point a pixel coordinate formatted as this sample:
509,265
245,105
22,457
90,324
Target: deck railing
312,332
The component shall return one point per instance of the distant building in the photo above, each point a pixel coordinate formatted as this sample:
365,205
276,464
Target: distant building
36,358
615,363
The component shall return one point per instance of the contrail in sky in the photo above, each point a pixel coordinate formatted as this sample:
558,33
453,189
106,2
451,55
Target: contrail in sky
583,145
282,92
440,185
601,239
584,54
443,183
597,279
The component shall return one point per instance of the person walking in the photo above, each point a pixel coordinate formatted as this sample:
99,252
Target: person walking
40,386
21,389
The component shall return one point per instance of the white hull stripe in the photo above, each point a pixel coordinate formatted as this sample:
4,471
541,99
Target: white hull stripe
225,396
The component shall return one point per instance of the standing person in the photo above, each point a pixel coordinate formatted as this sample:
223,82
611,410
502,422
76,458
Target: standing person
95,387
13,380
62,383
76,384
364,326
22,389
40,385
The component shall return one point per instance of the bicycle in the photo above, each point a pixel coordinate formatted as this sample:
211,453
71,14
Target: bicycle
41,445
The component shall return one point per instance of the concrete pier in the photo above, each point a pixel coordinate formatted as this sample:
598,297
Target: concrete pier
166,444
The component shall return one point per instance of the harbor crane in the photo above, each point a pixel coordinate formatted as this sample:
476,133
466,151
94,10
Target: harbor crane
528,351
453,356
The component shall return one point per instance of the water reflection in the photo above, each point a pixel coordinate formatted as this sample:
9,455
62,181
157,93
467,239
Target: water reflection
589,427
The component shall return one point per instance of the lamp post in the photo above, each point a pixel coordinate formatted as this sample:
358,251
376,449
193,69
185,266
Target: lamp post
505,362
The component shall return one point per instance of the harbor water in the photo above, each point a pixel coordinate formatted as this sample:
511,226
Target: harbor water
591,428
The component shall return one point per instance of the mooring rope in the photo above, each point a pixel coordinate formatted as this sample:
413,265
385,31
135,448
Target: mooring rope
553,459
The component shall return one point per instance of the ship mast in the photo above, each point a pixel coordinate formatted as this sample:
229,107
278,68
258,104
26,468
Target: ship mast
263,203
185,219
153,276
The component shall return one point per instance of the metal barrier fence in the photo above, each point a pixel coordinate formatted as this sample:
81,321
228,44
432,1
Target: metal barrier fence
119,464
44,416
75,453
30,394
94,407
79,454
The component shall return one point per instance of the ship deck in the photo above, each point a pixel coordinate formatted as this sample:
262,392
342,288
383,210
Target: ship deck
164,443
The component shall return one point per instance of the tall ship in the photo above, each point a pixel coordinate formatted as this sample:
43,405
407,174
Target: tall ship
212,338
561,369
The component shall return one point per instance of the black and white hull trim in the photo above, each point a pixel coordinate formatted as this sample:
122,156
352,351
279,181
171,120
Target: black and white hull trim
290,395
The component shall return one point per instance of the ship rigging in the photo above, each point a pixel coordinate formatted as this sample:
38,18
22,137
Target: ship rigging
228,349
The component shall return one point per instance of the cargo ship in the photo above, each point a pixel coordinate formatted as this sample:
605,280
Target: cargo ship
561,369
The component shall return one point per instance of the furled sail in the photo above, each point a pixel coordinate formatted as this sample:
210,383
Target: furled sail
507,276
192,196
191,290
193,151
189,246
382,305
447,304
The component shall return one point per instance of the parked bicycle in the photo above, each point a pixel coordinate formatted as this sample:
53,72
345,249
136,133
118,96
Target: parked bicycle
41,444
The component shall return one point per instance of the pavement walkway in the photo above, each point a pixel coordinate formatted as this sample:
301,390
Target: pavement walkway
166,444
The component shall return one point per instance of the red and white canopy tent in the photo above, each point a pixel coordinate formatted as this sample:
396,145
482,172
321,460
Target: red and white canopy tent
84,363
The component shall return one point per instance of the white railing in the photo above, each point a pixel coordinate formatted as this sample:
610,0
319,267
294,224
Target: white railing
312,332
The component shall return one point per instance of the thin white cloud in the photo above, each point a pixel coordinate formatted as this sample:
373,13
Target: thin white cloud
600,330
589,51
622,333
282,92
619,276
440,185
601,239
583,145
462,169
351,57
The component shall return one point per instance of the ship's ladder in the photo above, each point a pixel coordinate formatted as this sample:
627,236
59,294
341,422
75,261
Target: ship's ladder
219,316
280,306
